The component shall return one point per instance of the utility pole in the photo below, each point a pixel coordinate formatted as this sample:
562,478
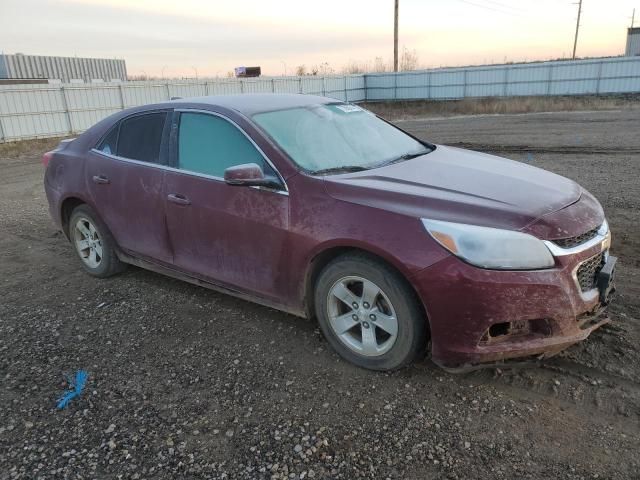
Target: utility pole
633,18
575,41
395,37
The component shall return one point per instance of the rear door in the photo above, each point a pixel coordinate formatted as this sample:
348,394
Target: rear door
232,235
125,174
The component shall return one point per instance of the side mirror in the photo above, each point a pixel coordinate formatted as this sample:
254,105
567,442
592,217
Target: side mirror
250,175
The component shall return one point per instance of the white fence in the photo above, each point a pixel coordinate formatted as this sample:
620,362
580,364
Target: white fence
31,111
576,77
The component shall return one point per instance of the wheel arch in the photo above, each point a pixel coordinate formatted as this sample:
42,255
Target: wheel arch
325,256
67,206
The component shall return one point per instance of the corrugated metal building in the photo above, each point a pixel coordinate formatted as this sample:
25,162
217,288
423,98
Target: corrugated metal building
65,69
633,42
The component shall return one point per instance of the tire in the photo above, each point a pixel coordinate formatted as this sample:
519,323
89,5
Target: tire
371,340
98,257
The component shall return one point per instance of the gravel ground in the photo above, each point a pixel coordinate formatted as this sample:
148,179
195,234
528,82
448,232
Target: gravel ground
188,383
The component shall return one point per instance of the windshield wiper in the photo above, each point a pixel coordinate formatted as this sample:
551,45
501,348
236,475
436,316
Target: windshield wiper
401,158
342,169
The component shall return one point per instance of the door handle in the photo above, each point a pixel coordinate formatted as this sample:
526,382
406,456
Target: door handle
178,199
101,179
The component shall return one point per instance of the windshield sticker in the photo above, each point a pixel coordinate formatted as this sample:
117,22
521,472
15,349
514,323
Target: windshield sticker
349,108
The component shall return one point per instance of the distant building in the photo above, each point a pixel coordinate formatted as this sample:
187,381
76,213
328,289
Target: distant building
633,42
63,69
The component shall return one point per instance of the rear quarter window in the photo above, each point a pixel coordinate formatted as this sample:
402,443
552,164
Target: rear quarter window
109,144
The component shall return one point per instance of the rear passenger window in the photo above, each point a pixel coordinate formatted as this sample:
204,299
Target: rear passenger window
141,136
208,144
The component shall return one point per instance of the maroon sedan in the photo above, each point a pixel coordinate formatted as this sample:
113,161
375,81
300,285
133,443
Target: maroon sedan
321,209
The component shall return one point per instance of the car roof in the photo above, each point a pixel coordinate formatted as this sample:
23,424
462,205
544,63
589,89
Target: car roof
252,103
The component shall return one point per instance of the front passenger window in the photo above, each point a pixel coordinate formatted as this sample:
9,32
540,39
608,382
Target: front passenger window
209,145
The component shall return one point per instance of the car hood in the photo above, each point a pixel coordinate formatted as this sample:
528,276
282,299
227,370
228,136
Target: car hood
458,185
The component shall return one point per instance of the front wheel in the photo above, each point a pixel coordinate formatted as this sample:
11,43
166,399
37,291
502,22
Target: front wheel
369,314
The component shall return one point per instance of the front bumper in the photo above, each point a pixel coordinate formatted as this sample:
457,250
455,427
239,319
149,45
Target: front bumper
482,316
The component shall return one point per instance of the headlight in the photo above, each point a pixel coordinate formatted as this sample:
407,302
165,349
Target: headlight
491,247
604,228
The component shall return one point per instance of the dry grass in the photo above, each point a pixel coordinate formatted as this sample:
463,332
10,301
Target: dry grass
483,106
28,147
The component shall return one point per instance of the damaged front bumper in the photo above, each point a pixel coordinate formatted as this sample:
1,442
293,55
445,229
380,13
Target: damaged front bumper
481,318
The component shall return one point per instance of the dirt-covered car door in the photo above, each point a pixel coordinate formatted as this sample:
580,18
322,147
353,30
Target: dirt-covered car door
234,235
125,174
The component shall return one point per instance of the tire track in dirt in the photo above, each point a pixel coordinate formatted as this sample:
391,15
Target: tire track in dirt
573,385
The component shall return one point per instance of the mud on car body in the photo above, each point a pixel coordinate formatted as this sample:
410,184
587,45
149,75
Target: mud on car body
321,209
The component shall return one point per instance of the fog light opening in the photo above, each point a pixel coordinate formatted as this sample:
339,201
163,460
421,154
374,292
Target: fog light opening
518,328
499,329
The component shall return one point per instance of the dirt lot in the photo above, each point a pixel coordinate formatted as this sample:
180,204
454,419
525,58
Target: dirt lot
188,383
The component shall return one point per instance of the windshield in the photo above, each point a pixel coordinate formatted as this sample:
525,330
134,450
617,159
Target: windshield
337,137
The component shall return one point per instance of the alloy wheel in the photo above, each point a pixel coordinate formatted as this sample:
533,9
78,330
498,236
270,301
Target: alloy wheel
88,242
362,316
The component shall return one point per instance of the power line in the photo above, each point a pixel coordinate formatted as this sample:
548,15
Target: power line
504,5
575,40
486,7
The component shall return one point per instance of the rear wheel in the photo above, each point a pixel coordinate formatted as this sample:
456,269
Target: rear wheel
93,243
368,313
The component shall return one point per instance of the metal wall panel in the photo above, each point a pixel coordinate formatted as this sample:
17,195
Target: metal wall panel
580,77
633,42
311,85
62,68
485,82
186,90
620,77
258,86
287,85
4,72
381,86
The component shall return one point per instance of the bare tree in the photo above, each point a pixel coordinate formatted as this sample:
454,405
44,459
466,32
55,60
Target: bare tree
301,70
323,69
354,67
379,65
409,59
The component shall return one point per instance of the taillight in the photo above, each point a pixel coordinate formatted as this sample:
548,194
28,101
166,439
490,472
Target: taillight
46,158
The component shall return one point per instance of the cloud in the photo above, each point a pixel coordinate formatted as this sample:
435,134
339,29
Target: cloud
151,39
216,35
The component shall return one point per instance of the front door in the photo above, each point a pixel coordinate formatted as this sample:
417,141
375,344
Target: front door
231,235
125,175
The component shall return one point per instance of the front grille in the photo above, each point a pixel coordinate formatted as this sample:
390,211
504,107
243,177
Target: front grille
588,272
578,240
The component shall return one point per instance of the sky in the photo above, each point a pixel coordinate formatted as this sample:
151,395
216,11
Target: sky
211,37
